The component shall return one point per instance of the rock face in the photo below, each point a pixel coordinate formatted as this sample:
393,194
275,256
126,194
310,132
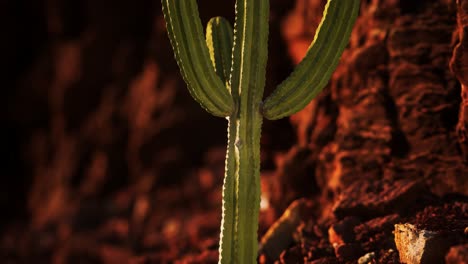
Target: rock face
387,138
365,198
280,235
459,65
417,246
391,108
457,255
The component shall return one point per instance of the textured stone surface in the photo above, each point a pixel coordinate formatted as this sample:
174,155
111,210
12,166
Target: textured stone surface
376,233
376,198
367,258
280,235
459,66
347,252
417,246
343,231
392,106
385,130
457,255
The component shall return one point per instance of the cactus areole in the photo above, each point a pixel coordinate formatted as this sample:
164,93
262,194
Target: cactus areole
225,73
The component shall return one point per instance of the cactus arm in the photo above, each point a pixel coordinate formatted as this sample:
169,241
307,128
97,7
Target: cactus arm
219,38
315,70
248,80
192,55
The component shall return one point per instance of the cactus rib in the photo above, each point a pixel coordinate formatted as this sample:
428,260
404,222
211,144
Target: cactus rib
219,38
315,70
248,80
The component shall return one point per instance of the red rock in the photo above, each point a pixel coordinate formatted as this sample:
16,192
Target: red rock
327,260
375,198
280,235
292,255
418,246
343,231
367,258
349,252
376,233
459,66
376,225
206,257
451,217
457,255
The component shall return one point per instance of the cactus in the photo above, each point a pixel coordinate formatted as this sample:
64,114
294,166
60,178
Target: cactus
225,73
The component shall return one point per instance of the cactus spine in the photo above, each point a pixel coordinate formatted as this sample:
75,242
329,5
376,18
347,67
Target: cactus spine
225,73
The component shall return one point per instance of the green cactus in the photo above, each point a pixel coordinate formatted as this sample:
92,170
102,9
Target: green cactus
225,73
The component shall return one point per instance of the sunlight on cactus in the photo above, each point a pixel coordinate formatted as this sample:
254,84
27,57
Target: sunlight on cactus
225,74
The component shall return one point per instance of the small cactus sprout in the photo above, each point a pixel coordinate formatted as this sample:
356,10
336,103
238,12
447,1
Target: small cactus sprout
225,74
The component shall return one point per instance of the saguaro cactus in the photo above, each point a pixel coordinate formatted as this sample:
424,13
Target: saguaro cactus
225,73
